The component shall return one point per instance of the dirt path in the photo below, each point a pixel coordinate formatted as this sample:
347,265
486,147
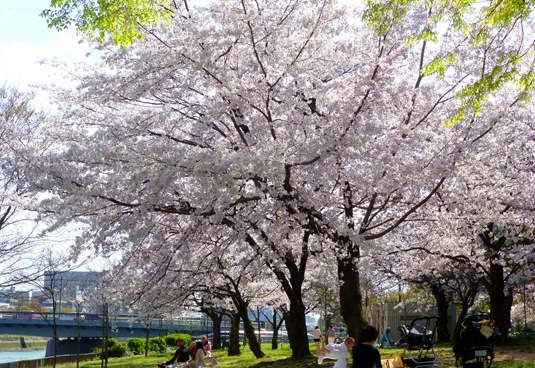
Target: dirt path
500,356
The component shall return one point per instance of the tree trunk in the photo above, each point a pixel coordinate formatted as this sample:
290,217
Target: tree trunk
107,316
217,331
243,310
275,336
78,340
458,324
500,304
443,332
216,322
350,295
297,330
147,341
234,338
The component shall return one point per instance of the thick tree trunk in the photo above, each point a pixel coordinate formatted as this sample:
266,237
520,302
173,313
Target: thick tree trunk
443,332
350,295
234,338
275,336
243,309
297,330
458,324
500,303
217,331
216,322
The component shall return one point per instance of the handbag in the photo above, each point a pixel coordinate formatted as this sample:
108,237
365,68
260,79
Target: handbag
392,361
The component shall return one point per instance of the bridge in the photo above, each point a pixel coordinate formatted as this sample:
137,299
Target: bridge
91,330
94,328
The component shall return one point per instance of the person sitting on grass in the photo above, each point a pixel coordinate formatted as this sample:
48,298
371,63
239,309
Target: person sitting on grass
191,347
386,342
207,346
340,352
364,354
199,357
181,355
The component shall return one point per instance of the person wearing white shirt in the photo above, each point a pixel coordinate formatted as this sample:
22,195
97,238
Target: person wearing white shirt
339,352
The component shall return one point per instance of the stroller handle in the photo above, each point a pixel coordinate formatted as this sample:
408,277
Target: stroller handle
473,316
427,318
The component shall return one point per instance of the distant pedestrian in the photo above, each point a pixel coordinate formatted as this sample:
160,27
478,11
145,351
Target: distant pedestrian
317,337
331,335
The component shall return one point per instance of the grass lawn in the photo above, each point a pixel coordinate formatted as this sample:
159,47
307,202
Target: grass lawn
515,356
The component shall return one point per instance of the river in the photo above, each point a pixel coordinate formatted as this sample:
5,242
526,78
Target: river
6,357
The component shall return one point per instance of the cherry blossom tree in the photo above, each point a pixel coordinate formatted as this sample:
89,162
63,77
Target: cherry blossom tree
291,125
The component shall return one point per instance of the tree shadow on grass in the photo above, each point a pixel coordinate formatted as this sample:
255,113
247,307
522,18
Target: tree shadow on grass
294,363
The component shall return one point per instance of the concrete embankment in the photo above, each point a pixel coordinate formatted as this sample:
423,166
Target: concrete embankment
13,344
35,363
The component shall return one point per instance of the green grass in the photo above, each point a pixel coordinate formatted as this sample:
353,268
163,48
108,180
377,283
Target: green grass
17,345
281,358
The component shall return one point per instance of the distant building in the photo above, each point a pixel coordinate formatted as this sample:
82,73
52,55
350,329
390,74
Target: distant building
67,285
11,297
390,315
72,280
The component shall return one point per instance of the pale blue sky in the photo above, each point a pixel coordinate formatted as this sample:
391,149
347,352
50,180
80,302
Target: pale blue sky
25,40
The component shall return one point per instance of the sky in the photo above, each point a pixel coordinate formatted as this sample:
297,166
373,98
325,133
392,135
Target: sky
25,40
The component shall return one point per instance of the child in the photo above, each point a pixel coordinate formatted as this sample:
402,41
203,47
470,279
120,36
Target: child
365,355
336,351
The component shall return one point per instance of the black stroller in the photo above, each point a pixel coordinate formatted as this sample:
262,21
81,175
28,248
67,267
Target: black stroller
476,341
418,338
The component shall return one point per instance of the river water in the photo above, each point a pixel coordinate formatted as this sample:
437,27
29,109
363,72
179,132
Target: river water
6,357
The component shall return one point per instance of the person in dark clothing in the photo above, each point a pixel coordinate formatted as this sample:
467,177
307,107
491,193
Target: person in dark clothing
365,355
181,354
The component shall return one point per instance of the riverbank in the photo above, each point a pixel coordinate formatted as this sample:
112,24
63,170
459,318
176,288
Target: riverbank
12,344
19,349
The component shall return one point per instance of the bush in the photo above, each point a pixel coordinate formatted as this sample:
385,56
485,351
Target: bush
136,346
116,349
157,344
171,339
523,334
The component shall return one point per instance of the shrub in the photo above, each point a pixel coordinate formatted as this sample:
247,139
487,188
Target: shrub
116,349
136,346
523,334
157,344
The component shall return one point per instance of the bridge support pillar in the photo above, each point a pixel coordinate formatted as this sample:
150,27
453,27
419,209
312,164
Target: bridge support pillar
69,346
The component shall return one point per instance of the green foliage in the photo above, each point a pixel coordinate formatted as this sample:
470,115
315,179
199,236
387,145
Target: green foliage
136,346
497,16
381,15
523,334
17,107
439,65
102,19
116,349
157,344
171,339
